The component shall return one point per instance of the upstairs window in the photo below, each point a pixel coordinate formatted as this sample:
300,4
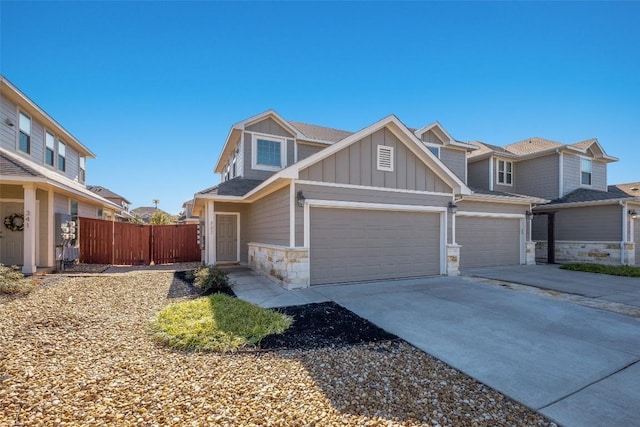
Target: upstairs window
505,172
585,166
268,153
83,169
24,143
385,158
50,148
62,160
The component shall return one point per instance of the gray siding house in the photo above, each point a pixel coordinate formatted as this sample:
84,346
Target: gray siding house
310,205
42,177
586,220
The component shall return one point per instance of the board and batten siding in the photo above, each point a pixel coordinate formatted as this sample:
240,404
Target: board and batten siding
306,150
431,137
589,223
362,195
356,165
479,174
538,177
269,126
242,209
268,219
456,161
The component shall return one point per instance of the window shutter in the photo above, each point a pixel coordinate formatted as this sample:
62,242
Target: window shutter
385,158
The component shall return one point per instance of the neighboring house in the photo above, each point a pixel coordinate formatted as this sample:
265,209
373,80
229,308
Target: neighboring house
586,220
312,205
122,214
186,216
42,182
146,212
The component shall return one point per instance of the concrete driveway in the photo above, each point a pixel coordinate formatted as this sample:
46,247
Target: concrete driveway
623,290
577,365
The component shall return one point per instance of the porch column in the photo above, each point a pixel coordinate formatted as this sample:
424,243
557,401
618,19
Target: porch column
30,218
50,249
211,234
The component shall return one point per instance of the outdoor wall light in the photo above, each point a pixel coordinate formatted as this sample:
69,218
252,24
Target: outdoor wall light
633,214
9,122
300,197
453,208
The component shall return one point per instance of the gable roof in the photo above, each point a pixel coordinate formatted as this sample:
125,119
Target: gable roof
443,135
234,187
631,188
12,166
321,133
586,196
536,146
105,192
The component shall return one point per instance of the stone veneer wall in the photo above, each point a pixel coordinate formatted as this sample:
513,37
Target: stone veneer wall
289,266
589,252
453,259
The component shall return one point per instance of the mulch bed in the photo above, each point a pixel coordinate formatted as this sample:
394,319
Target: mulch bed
324,324
314,326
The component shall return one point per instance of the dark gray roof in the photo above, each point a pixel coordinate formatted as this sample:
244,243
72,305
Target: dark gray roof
10,166
234,187
586,195
105,192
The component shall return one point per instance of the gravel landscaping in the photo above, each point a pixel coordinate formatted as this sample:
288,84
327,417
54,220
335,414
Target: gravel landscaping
78,353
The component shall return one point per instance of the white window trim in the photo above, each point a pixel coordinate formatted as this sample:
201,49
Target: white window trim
381,167
254,152
582,158
505,172
19,130
55,154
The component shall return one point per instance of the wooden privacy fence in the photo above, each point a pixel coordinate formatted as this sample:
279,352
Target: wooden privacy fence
122,243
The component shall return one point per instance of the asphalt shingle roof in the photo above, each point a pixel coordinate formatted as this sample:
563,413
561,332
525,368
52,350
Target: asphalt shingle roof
321,132
10,166
532,145
632,189
234,187
105,192
588,195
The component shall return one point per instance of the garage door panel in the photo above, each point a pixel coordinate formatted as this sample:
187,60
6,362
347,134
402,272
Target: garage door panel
488,241
356,245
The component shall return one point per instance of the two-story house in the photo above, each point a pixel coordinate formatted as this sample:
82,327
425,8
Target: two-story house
42,182
584,221
122,214
309,204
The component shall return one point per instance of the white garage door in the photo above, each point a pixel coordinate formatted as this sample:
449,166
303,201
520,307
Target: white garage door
350,245
488,242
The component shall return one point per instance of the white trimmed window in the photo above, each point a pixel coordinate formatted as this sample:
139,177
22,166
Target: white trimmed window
435,150
83,168
268,153
24,138
50,148
62,160
385,158
505,172
585,171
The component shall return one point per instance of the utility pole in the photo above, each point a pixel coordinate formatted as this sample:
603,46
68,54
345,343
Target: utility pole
155,202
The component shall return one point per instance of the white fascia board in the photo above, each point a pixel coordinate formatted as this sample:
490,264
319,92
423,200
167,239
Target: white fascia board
580,204
502,199
437,124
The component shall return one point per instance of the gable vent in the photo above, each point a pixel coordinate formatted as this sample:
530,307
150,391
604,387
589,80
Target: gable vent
385,158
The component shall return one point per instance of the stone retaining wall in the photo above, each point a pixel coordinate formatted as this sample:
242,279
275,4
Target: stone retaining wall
289,266
589,252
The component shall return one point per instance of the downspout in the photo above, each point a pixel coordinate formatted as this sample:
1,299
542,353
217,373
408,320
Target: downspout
491,172
624,232
560,174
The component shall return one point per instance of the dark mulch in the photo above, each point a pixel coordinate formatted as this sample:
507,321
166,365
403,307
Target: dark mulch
325,324
182,286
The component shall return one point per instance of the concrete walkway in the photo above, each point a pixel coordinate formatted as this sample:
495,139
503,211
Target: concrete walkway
577,365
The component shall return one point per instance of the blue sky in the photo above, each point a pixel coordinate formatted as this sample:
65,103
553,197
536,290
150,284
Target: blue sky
153,87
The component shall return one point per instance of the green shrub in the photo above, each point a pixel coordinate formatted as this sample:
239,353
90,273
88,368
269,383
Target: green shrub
12,281
216,323
614,270
210,279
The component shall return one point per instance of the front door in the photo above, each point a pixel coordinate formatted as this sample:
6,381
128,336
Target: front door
226,238
11,242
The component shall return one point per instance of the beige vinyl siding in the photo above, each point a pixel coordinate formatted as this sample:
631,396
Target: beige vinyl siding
492,207
538,177
8,134
306,150
486,242
589,223
243,232
320,192
11,192
455,160
479,174
87,210
356,244
268,219
356,165
269,126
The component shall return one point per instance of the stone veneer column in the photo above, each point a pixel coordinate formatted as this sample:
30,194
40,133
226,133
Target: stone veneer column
530,253
453,259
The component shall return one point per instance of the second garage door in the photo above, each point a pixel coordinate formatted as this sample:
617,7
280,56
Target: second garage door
350,245
488,242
